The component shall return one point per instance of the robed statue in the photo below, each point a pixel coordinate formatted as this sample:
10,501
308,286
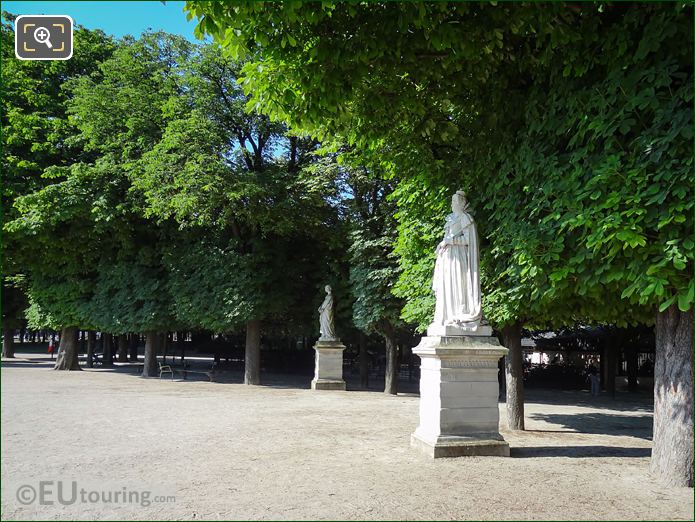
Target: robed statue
326,326
456,281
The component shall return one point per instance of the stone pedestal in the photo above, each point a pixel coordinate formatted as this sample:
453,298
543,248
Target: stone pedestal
328,370
459,414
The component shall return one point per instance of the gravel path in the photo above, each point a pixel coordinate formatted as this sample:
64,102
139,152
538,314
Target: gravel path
281,451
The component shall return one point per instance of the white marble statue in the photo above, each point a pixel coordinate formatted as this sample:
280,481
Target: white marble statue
456,281
326,318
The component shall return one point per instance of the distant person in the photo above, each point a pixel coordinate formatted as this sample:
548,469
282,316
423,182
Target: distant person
594,380
51,349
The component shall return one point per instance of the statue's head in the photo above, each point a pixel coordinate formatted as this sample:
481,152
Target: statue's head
328,289
459,202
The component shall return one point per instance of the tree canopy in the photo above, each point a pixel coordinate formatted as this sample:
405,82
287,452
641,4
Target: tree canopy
570,127
184,210
37,134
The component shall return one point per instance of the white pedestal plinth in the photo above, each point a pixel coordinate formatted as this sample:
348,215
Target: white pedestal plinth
328,370
459,390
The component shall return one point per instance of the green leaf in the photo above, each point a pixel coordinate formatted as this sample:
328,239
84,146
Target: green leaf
678,263
685,302
663,306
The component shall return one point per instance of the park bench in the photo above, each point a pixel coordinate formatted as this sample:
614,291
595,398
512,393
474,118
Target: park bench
97,358
208,373
184,371
165,368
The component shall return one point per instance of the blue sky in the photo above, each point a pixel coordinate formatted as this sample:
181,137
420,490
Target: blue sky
115,18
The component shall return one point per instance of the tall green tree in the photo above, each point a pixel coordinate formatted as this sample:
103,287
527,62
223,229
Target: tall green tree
569,126
38,137
124,115
366,208
373,265
92,259
254,228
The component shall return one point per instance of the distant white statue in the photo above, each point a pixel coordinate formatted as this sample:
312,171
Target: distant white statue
456,281
326,317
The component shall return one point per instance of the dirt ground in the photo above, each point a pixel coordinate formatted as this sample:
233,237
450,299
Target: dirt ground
282,451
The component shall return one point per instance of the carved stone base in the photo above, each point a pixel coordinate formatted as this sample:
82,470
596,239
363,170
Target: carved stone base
324,384
444,446
328,368
459,414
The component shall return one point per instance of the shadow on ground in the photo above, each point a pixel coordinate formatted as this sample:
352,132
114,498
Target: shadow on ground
626,401
9,363
600,423
579,452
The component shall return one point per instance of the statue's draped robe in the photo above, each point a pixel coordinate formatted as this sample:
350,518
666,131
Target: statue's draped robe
326,318
456,280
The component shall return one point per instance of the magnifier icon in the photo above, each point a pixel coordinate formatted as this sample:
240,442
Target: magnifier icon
42,35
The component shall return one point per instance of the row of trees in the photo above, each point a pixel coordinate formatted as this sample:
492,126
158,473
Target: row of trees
153,185
570,128
141,196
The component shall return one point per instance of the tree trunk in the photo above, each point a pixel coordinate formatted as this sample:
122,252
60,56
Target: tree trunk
201,339
511,338
153,343
165,348
631,358
409,353
252,359
107,349
502,378
364,362
609,352
133,339
91,344
179,343
8,343
122,348
672,448
67,356
391,373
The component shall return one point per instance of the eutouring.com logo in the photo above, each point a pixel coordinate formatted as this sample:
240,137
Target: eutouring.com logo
50,492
